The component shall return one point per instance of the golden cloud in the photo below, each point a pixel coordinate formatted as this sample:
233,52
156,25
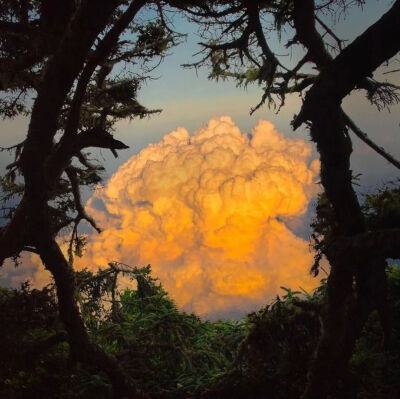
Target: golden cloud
208,212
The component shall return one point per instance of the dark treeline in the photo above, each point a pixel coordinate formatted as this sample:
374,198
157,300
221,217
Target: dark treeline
171,354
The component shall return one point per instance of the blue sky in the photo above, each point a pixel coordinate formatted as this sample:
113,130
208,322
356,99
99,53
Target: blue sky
190,100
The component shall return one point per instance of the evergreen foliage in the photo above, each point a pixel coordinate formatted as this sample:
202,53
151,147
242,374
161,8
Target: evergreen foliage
172,354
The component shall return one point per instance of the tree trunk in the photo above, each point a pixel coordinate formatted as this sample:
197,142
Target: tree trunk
346,310
82,349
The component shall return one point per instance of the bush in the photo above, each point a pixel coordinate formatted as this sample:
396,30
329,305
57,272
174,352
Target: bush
171,354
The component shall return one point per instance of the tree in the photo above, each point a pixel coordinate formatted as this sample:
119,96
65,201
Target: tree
171,354
237,46
74,67
62,63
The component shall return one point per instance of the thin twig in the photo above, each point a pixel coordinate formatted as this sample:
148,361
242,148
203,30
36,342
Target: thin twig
364,137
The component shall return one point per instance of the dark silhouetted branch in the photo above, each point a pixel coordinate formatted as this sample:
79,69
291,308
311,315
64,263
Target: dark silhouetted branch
364,137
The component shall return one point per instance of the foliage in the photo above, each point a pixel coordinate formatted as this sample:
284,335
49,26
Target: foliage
383,208
105,92
167,352
381,211
75,69
33,361
249,41
171,354
375,364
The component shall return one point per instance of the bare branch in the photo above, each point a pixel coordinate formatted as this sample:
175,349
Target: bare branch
393,71
364,137
331,33
353,64
84,161
381,94
16,147
73,177
254,21
240,43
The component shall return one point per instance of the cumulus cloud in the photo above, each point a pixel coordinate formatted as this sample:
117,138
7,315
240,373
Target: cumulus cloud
208,212
212,213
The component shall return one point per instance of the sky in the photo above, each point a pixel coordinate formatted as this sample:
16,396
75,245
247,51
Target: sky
189,99
230,240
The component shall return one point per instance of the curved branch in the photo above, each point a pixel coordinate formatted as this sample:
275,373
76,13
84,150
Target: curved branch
59,76
254,20
307,34
240,43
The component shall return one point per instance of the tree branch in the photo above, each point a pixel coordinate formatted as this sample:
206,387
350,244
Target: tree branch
61,72
97,58
73,178
377,243
330,32
364,137
307,34
99,138
12,237
254,21
355,63
81,346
